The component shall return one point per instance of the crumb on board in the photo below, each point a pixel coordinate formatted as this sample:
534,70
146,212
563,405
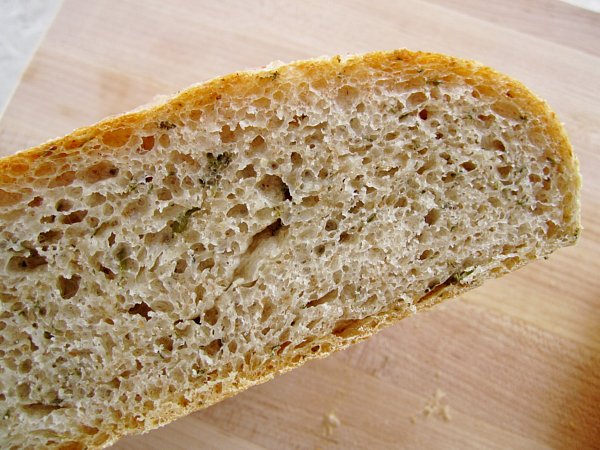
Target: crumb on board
445,413
437,406
330,423
381,369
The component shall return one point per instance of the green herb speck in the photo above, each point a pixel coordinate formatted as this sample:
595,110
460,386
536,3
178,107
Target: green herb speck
216,165
181,224
132,187
459,276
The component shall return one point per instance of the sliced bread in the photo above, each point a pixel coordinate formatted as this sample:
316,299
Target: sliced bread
165,259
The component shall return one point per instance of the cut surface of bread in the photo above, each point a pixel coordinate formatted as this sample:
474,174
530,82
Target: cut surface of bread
163,260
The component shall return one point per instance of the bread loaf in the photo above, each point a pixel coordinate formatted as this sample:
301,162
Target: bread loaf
162,260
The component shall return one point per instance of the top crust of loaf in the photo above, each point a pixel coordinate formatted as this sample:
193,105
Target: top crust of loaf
211,91
18,175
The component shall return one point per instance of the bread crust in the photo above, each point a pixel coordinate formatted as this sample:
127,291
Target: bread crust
204,94
14,168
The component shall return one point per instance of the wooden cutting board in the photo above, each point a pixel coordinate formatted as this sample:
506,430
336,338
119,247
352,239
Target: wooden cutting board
514,364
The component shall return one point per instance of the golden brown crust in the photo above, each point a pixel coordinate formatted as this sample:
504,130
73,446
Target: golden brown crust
206,93
14,168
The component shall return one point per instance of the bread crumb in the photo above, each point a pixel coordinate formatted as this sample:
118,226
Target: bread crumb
437,406
330,423
381,369
446,413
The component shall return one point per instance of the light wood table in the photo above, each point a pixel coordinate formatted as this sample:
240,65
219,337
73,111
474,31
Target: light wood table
515,364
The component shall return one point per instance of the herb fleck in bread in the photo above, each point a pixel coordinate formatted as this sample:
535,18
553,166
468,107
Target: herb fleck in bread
163,260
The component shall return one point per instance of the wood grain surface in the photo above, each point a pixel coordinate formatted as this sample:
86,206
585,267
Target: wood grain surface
514,364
